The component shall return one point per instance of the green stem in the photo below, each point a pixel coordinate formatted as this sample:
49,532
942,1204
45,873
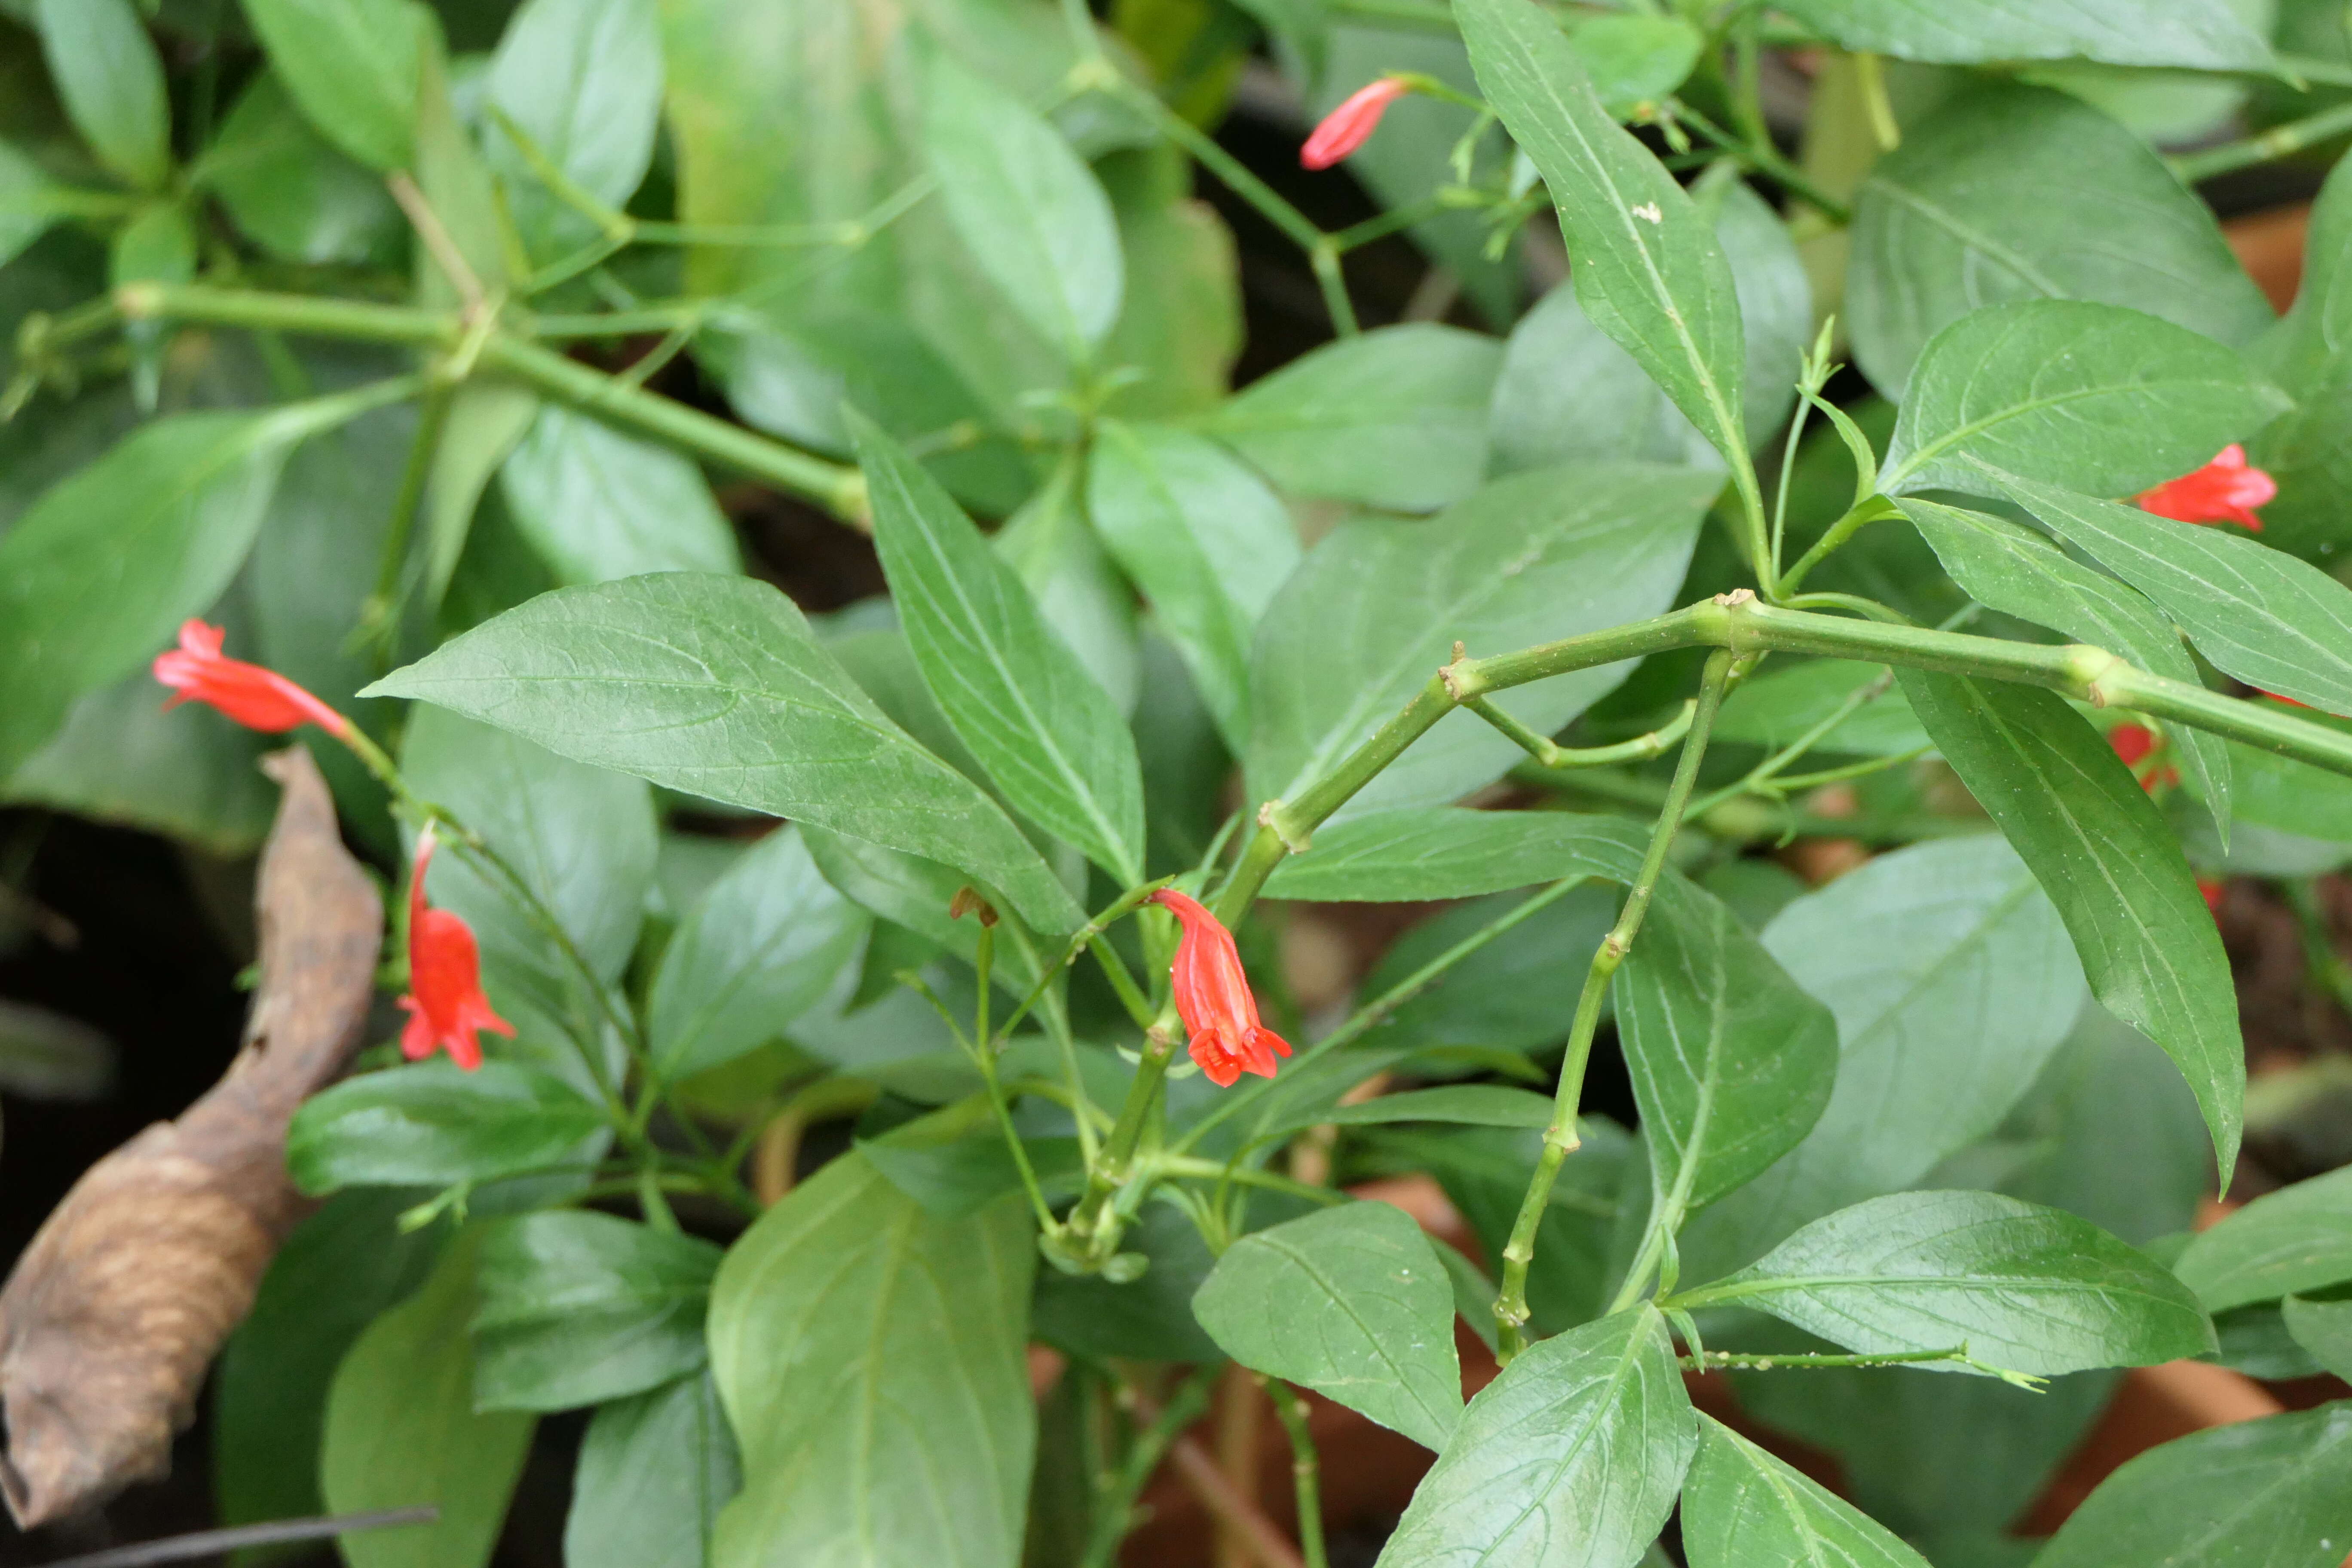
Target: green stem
1559,1136
1764,1362
1762,158
1165,1165
1771,767
836,487
1304,1468
1865,511
379,625
2278,142
1550,754
1114,1508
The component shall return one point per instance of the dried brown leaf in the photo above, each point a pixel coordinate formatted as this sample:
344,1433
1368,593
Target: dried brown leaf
113,1314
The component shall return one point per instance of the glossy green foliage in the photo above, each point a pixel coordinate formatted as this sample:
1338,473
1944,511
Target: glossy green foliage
2008,193
1574,1453
912,1335
580,1307
1743,1509
714,686
2284,1243
1350,1303
2017,1286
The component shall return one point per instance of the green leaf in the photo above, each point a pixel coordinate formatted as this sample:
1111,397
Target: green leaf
2094,397
1731,1063
580,1307
759,949
1204,540
2007,568
353,66
1351,1302
1512,993
105,68
716,686
99,572
1039,723
1462,1104
402,1430
2285,1243
2103,852
583,79
911,1337
2276,1492
1646,265
1567,391
1573,1455
2259,613
1180,323
597,504
1743,1509
340,1269
1779,707
464,194
2025,1287
2010,193
27,205
2199,35
1635,59
1945,1017
1395,417
1376,607
486,421
1079,594
2324,1328
655,1470
1036,218
1443,852
2310,353
432,1124
291,192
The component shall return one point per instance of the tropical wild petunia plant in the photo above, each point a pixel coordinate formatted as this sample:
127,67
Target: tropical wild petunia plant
1835,418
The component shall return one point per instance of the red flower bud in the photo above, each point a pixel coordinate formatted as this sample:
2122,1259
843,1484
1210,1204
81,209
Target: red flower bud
1350,125
2224,490
256,697
1212,996
2211,888
445,1002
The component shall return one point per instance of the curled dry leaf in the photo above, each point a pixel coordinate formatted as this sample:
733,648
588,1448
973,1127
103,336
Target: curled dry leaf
117,1308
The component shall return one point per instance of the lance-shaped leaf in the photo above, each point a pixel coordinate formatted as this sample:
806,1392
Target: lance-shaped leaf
2259,613
1206,541
1376,608
2105,856
1351,1302
2323,1328
580,1307
655,1470
432,1124
2199,34
99,572
597,504
1394,418
2296,1239
1743,1509
1731,1063
1030,211
881,1399
583,79
1572,1456
1443,852
2276,1492
106,69
2004,567
2007,192
353,67
716,686
2097,397
1646,263
2024,1287
1041,726
1945,1017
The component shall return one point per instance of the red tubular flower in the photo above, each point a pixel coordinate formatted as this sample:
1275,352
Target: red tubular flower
256,697
2224,491
1213,994
2132,742
2211,888
444,1002
1349,126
